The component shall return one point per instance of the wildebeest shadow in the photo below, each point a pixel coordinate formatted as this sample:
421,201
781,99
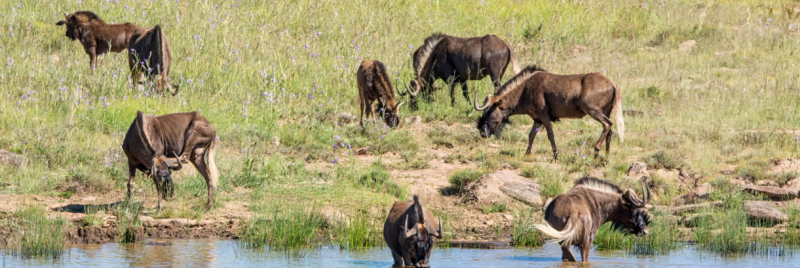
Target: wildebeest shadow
84,208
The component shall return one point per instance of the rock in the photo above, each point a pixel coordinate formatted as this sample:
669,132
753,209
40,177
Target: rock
10,158
699,193
441,155
772,192
363,151
767,183
489,222
275,141
54,59
332,217
694,207
508,217
506,166
493,145
89,198
764,212
687,46
694,220
638,170
345,117
414,120
793,186
500,185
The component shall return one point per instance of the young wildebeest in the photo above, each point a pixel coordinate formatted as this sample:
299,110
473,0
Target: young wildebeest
150,55
547,97
459,60
374,84
95,35
572,218
156,145
412,246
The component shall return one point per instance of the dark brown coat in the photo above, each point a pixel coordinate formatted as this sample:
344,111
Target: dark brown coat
547,97
150,55
95,35
572,218
156,145
408,235
459,60
374,84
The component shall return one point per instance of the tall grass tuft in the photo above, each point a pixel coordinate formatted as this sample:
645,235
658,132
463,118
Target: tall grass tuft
361,231
287,227
522,232
460,178
39,236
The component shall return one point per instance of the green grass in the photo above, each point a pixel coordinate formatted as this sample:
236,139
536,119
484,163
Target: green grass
461,178
285,227
40,237
522,232
363,231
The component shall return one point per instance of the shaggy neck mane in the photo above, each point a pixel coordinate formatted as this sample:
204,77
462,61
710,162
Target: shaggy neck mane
599,185
518,80
383,79
423,59
90,16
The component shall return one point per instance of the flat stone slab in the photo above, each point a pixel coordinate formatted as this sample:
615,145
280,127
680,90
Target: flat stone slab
502,184
775,193
480,244
763,211
694,207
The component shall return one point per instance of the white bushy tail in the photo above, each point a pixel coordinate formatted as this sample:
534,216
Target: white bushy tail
620,122
213,173
564,237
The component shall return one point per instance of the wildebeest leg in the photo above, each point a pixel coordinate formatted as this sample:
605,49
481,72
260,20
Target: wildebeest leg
398,260
92,51
465,91
608,142
548,125
566,254
406,258
361,114
131,176
158,184
536,126
452,92
197,160
598,115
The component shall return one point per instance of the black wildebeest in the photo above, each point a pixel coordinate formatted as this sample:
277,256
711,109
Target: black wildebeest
156,145
95,35
150,55
374,84
408,236
547,97
459,60
572,218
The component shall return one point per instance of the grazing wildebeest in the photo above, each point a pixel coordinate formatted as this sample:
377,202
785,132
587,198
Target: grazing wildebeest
95,35
412,246
156,145
374,84
459,60
547,97
150,55
572,218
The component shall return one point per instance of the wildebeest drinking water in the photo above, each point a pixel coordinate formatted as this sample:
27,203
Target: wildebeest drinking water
150,56
459,60
572,218
156,145
409,233
547,97
374,84
95,35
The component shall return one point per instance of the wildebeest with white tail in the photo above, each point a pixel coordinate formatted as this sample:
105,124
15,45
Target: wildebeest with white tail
547,97
572,218
150,56
459,60
374,84
156,145
409,233
96,36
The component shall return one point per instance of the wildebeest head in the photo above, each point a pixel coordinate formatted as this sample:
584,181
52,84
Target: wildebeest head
422,240
77,23
634,216
494,116
391,114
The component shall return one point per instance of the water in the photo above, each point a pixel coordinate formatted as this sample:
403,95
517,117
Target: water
225,253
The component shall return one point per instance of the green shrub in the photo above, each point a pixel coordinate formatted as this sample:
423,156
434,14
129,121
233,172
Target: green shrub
460,178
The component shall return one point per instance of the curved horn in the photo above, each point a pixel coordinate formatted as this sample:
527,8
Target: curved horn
153,168
406,232
439,232
180,166
397,107
414,92
645,193
487,103
401,93
65,13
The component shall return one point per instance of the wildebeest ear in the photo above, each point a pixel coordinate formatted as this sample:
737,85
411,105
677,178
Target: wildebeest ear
61,22
496,101
630,199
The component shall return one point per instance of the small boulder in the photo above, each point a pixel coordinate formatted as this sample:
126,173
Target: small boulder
275,141
793,186
414,120
638,170
699,193
345,117
687,46
772,192
10,158
764,212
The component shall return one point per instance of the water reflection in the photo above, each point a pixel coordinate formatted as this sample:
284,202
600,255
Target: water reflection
226,253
